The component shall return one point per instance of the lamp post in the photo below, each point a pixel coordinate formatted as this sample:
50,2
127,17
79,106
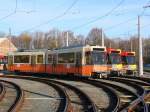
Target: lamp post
102,37
140,47
67,42
140,50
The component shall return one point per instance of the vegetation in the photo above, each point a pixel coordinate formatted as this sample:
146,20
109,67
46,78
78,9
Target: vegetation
56,39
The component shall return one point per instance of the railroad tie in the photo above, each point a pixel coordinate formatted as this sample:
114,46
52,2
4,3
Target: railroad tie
147,88
125,98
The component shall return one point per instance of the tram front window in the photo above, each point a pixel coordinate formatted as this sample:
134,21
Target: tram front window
99,58
115,58
130,59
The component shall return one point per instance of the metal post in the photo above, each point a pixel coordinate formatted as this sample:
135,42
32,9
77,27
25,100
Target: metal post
56,37
102,34
109,44
9,38
67,39
131,45
140,50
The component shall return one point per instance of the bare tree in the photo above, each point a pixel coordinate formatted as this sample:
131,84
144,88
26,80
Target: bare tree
94,36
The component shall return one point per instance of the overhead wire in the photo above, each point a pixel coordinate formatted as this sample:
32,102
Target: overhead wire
56,17
117,25
22,11
126,21
134,18
12,13
129,31
101,17
82,25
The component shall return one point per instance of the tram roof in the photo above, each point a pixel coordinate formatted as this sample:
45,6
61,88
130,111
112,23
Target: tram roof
127,53
78,46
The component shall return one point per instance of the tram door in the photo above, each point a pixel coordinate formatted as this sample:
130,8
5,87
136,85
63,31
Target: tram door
33,63
54,63
78,62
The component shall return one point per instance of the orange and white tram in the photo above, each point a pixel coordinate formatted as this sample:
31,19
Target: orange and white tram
27,61
80,60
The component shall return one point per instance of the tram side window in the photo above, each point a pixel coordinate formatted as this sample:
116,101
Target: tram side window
88,58
21,59
40,59
33,60
10,60
50,58
123,59
66,58
55,59
108,59
78,58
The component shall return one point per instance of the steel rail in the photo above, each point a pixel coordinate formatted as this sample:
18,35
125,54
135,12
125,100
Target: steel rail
19,98
141,93
121,89
89,102
112,94
65,104
2,92
91,106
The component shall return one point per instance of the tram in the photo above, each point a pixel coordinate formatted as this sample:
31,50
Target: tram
114,61
87,61
129,63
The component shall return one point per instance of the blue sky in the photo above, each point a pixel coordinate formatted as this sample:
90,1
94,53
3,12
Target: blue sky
32,14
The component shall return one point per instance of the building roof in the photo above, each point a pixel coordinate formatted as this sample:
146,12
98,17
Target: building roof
6,46
2,39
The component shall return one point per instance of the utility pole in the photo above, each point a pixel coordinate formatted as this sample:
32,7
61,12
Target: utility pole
56,38
9,38
131,45
109,44
140,50
67,39
102,34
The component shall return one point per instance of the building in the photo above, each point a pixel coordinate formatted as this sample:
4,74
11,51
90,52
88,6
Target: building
6,46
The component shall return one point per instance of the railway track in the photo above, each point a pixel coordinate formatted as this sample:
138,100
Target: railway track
65,103
2,91
123,98
138,104
79,100
145,84
77,96
67,90
126,95
113,97
12,97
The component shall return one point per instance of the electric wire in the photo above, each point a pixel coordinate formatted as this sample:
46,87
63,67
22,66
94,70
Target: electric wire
121,23
101,17
12,13
134,18
56,17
